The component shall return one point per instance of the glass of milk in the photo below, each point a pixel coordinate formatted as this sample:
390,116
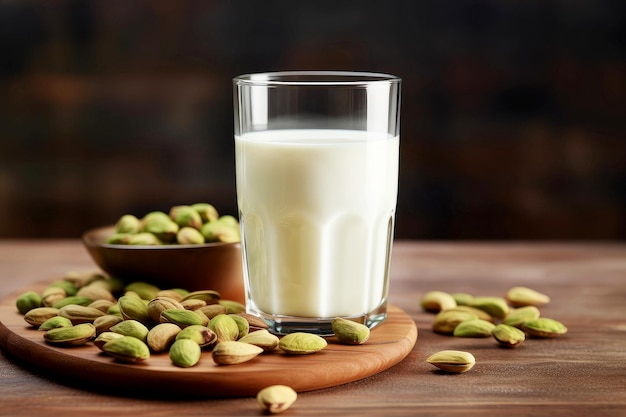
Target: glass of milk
317,183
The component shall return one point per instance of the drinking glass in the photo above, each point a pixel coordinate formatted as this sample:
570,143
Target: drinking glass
316,157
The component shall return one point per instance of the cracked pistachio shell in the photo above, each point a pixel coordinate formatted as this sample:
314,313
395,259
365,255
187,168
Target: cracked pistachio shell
133,308
144,290
474,328
202,335
161,336
494,306
206,211
71,336
276,398
80,314
477,312
446,321
95,291
104,323
508,336
189,236
242,324
28,301
52,295
186,216
185,353
350,332
523,296
435,301
127,349
232,307
301,343
208,296
105,337
160,303
518,316
233,352
454,361
544,327
261,338
37,316
225,327
72,300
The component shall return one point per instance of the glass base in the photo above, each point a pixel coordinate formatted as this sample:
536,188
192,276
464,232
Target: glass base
322,326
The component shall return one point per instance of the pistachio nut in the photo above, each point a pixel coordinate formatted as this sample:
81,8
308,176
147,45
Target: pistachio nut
242,324
446,321
76,335
104,323
132,328
55,323
172,293
52,295
37,316
233,352
186,216
483,315
202,335
210,310
276,398
523,296
454,361
72,300
232,307
494,306
208,296
80,314
105,337
216,231
81,278
185,353
508,336
70,289
164,229
114,310
96,291
300,343
474,328
161,336
544,327
206,211
133,308
119,238
229,221
462,298
180,317
128,224
144,290
127,349
102,305
145,239
160,303
225,327
189,236
350,332
261,338
518,316
28,301
194,304
435,301
254,322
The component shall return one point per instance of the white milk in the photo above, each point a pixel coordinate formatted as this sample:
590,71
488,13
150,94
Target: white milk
317,209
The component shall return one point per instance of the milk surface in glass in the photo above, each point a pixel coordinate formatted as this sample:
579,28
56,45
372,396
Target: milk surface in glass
318,211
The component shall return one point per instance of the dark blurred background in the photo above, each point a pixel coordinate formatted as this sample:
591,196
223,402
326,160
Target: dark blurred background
513,117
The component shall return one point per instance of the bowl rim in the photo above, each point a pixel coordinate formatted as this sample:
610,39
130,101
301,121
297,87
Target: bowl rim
90,240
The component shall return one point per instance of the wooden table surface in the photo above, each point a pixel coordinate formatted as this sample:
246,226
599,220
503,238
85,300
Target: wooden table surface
580,374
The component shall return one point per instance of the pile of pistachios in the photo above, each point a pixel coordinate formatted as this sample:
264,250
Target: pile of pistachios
184,224
508,320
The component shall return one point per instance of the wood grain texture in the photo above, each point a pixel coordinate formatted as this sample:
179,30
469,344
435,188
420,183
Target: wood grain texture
336,364
578,375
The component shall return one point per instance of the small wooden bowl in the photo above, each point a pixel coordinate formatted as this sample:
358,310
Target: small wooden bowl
209,266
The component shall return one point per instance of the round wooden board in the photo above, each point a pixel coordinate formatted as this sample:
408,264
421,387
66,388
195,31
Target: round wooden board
337,364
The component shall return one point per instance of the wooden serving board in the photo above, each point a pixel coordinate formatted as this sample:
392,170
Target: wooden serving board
86,366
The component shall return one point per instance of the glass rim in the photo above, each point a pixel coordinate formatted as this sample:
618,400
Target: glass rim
315,78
